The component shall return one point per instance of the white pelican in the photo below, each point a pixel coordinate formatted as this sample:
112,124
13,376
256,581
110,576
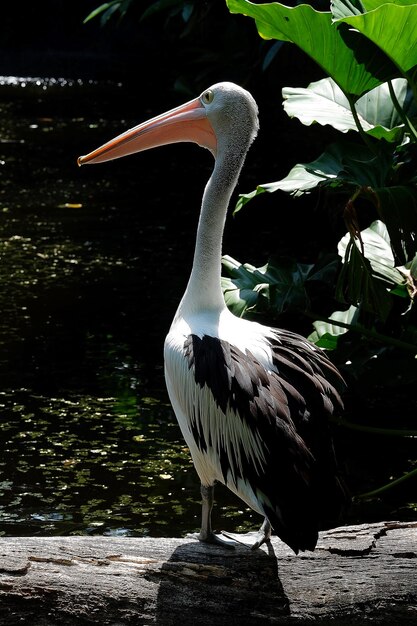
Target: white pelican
252,402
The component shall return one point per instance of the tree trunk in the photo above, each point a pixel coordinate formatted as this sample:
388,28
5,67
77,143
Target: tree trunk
357,574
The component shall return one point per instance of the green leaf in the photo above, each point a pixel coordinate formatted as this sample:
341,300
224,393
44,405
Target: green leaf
370,5
305,176
413,268
286,280
108,9
238,300
98,10
278,285
391,27
348,164
348,8
378,251
322,102
343,54
244,198
358,286
325,103
325,269
379,112
241,290
397,206
327,334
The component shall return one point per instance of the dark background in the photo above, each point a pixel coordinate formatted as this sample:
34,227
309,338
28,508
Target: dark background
163,60
130,71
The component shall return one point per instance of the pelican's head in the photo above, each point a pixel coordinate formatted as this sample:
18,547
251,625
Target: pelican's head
223,115
233,115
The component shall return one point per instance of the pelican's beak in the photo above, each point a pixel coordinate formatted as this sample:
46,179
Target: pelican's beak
187,122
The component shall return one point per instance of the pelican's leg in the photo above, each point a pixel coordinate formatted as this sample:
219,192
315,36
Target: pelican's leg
264,534
206,533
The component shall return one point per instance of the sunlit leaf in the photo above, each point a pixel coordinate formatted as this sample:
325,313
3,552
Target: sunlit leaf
326,334
346,8
105,10
239,290
358,286
377,249
306,176
347,164
397,206
275,285
97,11
325,103
244,198
370,5
392,27
349,8
354,63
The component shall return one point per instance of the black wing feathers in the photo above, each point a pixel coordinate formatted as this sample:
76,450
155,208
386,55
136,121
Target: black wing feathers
289,410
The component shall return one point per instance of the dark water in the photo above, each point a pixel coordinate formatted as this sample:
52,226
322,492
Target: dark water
89,284
93,263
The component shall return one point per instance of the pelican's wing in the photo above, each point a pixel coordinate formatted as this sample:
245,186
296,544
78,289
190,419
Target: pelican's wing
306,367
256,423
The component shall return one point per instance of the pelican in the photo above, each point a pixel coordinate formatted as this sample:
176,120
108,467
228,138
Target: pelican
252,402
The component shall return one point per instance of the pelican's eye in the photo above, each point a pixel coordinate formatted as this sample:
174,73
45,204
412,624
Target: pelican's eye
207,96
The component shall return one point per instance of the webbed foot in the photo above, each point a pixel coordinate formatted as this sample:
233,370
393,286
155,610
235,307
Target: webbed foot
252,540
264,535
218,540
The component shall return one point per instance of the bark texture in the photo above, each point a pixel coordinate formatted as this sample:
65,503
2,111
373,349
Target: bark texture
357,574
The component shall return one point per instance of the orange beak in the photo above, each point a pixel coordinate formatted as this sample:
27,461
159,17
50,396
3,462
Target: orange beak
187,122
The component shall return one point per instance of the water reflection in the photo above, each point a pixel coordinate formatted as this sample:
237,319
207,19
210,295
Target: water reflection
93,262
84,464
80,464
89,285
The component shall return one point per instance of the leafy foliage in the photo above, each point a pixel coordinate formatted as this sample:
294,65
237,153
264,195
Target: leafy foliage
368,49
274,287
107,10
356,99
183,32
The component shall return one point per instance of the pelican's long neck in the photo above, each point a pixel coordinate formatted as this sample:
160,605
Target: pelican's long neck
204,291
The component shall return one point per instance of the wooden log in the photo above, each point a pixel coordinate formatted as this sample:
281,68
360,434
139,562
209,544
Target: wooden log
357,574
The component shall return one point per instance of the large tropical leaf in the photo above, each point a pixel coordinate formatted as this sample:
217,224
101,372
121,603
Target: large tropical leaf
358,286
325,103
301,179
377,249
279,286
348,164
241,290
391,27
397,206
107,10
356,67
322,102
327,333
348,8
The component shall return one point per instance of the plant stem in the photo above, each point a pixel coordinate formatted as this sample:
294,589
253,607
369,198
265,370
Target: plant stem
401,111
372,334
411,78
362,133
391,485
373,430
